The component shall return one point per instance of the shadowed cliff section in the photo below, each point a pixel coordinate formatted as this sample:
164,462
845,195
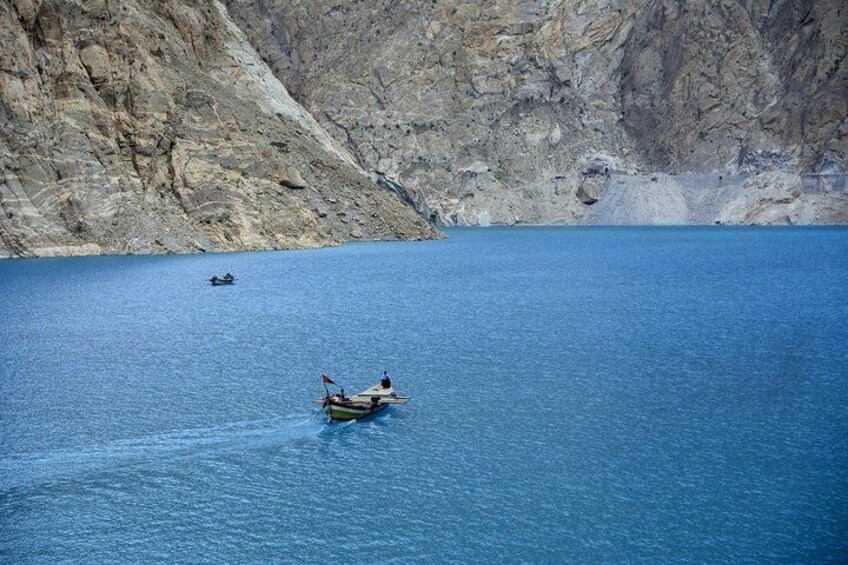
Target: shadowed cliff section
146,126
750,86
501,111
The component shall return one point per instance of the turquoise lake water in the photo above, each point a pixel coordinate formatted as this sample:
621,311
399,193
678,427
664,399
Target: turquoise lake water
579,395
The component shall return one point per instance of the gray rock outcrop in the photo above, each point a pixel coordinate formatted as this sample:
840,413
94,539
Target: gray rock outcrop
776,198
488,111
747,85
767,198
153,126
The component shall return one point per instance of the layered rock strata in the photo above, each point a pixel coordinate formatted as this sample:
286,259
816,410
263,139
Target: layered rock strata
152,126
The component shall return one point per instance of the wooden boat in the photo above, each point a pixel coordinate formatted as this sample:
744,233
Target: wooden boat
361,405
220,281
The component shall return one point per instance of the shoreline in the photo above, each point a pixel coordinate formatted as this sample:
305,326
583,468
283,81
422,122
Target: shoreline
443,234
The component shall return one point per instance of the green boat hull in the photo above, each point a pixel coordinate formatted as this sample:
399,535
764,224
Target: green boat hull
352,412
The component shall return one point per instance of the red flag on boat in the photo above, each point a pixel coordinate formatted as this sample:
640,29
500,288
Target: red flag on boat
327,380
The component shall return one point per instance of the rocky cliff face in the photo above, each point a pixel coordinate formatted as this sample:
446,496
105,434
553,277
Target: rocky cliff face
750,85
153,126
506,111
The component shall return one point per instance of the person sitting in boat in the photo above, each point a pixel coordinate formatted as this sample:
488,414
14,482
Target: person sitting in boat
341,395
214,278
228,276
386,382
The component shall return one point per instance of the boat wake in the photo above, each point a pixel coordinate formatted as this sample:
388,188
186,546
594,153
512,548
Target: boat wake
24,470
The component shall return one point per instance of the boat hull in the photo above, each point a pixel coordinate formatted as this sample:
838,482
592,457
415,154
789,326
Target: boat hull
336,411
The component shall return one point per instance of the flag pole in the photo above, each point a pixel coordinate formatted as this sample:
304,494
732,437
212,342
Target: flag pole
327,407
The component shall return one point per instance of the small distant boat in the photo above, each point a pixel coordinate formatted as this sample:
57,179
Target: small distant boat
220,281
366,403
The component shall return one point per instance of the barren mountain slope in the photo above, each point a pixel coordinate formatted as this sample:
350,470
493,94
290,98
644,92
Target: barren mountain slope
501,111
153,126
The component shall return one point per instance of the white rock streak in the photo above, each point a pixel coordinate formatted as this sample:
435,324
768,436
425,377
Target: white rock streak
263,88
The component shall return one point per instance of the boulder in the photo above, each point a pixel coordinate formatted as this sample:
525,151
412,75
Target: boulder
95,59
290,178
